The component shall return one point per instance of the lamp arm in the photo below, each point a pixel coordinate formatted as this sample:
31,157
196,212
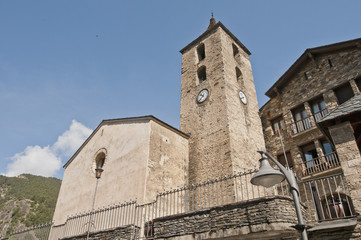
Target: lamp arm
290,177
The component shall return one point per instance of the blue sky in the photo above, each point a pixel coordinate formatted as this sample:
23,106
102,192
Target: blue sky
67,65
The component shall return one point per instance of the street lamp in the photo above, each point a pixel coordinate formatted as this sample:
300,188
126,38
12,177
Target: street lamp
98,174
267,176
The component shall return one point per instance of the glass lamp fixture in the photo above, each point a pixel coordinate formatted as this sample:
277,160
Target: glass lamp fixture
98,172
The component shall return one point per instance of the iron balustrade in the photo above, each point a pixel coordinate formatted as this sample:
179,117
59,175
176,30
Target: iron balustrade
39,232
327,198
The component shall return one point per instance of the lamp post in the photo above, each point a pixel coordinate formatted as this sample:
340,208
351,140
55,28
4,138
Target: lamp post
267,176
98,173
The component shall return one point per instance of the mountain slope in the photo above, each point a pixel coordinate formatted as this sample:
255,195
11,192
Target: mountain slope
26,200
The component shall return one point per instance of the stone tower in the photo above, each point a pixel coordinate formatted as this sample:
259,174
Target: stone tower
219,106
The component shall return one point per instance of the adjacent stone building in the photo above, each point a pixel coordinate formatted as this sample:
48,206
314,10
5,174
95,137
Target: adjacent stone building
312,122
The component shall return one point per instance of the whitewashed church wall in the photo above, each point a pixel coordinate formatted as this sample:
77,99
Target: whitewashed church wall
127,151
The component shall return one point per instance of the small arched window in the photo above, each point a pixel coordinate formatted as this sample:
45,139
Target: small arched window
201,52
99,160
235,49
239,75
202,75
337,205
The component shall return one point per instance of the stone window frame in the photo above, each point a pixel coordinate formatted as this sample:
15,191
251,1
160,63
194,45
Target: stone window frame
319,101
328,157
99,159
308,147
301,118
323,142
278,121
358,82
340,91
282,160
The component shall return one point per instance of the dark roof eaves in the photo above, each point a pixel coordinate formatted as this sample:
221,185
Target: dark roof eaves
302,59
261,108
123,120
212,29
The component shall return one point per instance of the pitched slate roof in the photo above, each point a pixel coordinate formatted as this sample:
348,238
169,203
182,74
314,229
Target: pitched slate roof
351,106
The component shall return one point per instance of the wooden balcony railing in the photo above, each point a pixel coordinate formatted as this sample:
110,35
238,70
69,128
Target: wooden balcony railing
307,123
321,114
320,164
302,125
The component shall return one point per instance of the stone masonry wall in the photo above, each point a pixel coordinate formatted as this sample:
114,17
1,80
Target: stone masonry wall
321,78
349,154
244,123
225,134
264,216
120,233
209,143
347,233
167,166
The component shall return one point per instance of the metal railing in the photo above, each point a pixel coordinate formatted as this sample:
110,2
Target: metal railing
39,232
327,198
211,193
319,164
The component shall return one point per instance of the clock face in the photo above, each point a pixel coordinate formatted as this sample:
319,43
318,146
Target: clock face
202,96
243,97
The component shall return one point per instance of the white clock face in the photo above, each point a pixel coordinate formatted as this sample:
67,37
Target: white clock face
202,96
243,97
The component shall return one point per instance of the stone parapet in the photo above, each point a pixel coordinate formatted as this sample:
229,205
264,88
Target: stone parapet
119,233
268,216
349,229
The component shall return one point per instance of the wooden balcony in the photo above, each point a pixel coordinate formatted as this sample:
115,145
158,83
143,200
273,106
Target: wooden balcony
302,125
307,123
319,165
321,114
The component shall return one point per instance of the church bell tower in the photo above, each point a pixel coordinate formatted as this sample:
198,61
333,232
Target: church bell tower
219,106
